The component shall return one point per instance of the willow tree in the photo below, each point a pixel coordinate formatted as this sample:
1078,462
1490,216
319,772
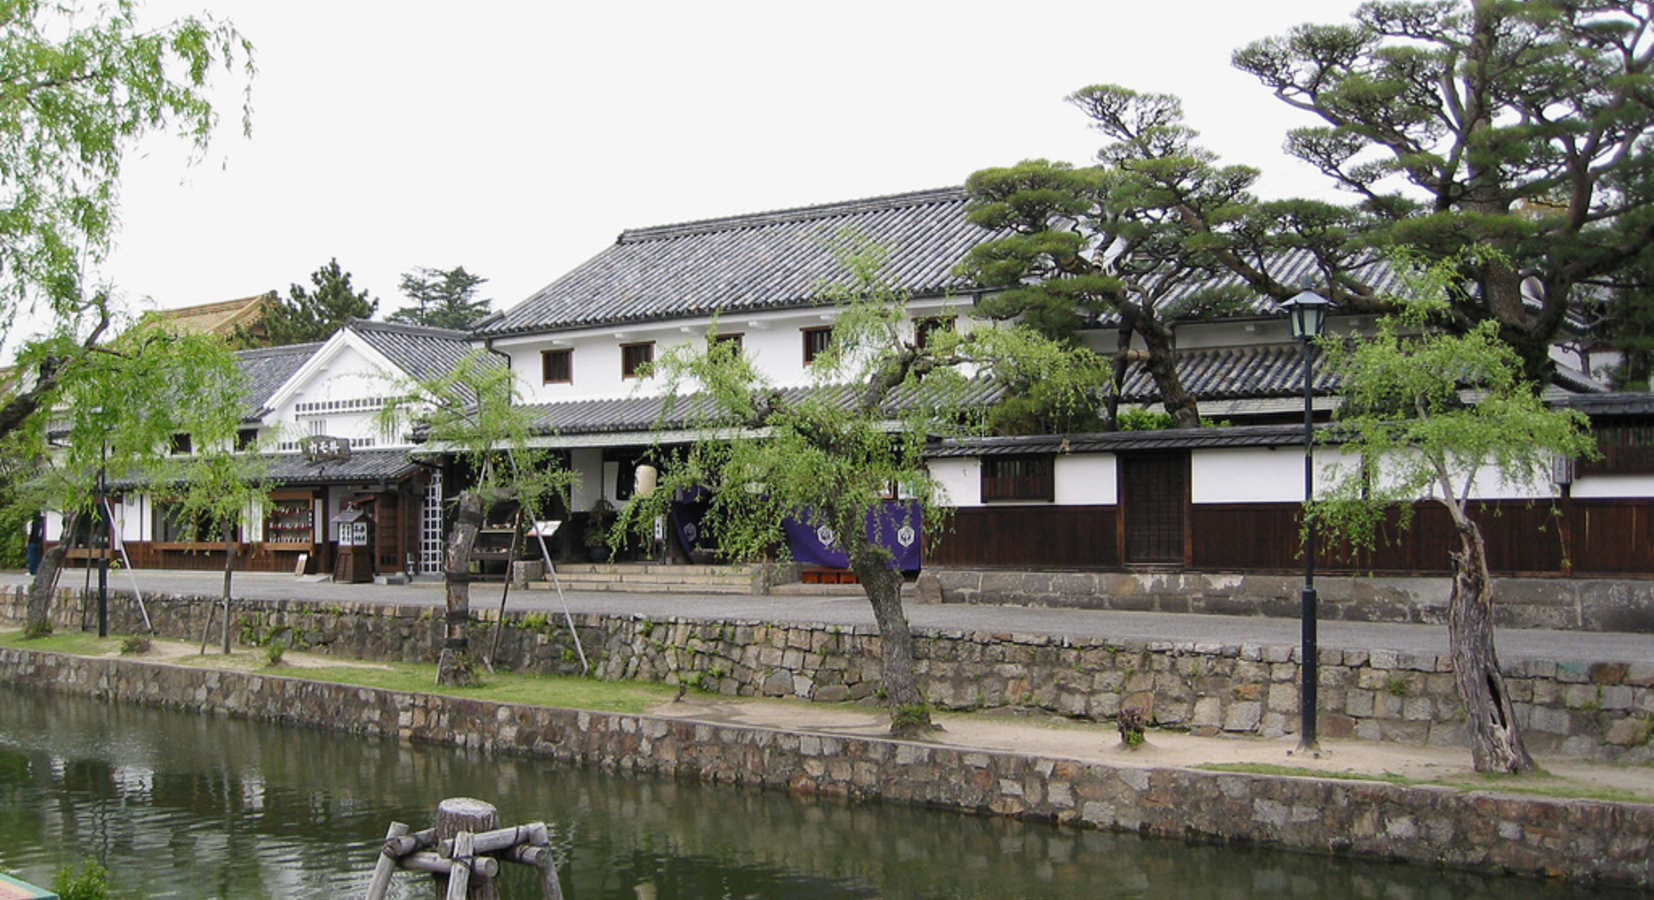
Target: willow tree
1435,415
77,91
832,453
118,415
472,412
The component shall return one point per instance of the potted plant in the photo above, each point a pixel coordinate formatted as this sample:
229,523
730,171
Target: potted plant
599,520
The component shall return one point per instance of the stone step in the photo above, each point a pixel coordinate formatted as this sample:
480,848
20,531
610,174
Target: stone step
651,578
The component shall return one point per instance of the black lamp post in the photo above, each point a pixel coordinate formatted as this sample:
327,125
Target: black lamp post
1308,311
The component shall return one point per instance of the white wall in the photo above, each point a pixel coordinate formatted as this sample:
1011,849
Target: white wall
1086,479
774,342
1592,487
1249,475
959,479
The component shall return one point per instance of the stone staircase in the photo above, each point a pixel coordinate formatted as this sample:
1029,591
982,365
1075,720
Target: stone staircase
652,578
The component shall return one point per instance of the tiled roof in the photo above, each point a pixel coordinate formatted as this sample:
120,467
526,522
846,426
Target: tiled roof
217,318
648,413
1232,373
268,368
362,466
763,261
1620,403
1123,441
421,352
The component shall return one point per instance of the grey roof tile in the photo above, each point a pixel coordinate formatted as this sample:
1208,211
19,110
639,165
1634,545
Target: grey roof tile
421,352
762,261
267,368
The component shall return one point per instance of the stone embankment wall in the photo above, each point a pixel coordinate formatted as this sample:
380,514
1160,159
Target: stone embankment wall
1593,841
1583,604
1603,711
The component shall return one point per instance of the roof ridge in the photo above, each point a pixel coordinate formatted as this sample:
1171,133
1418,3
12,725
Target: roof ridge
794,214
307,347
402,328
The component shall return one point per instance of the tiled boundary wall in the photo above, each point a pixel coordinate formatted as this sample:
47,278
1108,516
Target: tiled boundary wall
1601,711
1585,840
1579,604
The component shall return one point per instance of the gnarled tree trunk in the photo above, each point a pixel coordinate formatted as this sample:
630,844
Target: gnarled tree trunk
37,617
1495,741
454,663
909,712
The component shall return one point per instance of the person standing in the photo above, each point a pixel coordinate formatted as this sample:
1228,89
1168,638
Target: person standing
35,549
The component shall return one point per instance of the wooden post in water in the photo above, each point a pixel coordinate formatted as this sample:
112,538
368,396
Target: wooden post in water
464,814
386,865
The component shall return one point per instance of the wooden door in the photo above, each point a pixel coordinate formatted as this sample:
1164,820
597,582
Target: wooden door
1154,495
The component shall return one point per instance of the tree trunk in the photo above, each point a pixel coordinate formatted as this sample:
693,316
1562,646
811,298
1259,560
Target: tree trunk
229,567
454,664
37,618
1162,366
909,712
1495,741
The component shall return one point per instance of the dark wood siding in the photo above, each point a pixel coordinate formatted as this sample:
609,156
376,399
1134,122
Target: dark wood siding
1604,537
1028,536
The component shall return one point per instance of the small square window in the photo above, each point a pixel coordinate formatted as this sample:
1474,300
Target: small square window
246,439
181,445
557,366
732,341
634,358
816,342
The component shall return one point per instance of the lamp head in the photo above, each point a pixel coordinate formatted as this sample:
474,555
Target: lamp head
1308,312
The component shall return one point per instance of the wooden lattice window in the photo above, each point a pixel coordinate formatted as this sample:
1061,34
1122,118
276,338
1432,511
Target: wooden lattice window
557,366
816,342
1627,448
1019,478
635,359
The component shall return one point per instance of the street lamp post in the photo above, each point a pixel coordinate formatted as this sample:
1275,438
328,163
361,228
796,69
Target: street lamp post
1308,311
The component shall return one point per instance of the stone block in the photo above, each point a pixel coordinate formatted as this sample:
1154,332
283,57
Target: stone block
1243,717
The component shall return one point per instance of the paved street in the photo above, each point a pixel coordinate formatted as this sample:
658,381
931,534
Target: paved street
841,606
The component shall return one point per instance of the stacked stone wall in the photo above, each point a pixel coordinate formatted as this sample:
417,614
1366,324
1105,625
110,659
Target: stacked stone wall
1584,840
1602,711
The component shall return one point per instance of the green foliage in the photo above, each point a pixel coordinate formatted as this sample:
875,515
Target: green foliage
473,411
273,652
442,298
117,412
88,881
1429,414
315,314
78,88
834,452
135,645
1552,169
910,717
1142,420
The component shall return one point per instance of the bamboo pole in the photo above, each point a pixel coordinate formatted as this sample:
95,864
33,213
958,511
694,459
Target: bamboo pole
385,866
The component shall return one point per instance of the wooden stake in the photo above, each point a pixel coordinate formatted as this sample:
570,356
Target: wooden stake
459,879
385,866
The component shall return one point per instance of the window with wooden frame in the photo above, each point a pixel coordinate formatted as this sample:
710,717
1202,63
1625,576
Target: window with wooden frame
180,445
246,439
636,358
1028,478
924,328
557,366
1626,448
816,342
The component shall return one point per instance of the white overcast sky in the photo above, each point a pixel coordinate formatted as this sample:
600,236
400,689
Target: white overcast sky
519,138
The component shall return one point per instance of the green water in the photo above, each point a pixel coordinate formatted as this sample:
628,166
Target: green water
181,806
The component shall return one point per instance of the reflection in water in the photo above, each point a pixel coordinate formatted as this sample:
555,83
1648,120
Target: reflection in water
198,807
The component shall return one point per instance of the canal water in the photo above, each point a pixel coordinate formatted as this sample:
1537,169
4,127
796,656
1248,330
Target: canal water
184,806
